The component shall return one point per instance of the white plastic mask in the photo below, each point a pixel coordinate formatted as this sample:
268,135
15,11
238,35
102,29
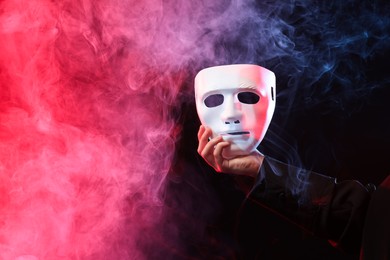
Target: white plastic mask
237,102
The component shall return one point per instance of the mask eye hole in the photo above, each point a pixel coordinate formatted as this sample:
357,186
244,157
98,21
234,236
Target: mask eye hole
213,100
248,97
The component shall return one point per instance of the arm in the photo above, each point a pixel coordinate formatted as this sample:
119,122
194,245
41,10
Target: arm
317,203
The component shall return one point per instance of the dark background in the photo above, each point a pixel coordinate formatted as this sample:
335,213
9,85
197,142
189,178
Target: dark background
335,122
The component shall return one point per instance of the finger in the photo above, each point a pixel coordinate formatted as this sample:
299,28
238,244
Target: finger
209,147
219,159
201,130
207,132
203,136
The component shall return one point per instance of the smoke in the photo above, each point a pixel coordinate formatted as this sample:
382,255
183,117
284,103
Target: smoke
91,99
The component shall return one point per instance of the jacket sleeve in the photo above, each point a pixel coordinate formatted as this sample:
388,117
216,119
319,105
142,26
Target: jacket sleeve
376,233
317,203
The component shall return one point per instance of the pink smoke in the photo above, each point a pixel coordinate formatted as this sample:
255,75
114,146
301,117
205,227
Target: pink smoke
90,96
86,138
90,99
87,134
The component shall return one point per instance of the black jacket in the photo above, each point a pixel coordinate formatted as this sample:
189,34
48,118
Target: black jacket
353,217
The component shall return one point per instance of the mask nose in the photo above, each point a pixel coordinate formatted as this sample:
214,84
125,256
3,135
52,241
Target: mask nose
232,112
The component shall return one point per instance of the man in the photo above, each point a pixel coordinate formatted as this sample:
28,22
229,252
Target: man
351,216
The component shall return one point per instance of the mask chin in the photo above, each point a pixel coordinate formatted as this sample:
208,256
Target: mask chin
229,153
235,150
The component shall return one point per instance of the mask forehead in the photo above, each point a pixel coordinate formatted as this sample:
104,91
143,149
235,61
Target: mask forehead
231,77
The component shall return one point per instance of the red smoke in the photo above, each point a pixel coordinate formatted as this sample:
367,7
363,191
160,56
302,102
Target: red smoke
85,133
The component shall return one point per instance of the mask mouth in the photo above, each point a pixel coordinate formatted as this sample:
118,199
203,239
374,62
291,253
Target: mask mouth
238,133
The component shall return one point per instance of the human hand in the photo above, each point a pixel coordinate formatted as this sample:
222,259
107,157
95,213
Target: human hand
211,151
